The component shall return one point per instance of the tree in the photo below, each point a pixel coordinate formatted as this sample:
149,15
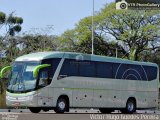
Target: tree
79,40
101,47
136,29
35,43
2,19
67,41
11,23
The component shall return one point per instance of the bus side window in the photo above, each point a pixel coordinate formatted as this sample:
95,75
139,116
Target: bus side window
43,78
87,69
54,62
151,72
104,70
69,68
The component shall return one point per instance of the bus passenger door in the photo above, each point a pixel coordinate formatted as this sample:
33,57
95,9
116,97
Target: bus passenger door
43,94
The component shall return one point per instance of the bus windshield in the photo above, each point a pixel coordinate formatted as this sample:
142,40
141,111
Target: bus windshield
21,78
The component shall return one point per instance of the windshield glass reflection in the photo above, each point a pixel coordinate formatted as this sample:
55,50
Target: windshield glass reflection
21,78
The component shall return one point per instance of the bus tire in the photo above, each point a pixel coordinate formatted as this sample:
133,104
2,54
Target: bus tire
35,109
61,106
130,107
105,110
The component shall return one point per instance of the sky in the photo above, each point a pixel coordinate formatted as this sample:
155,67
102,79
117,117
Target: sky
61,14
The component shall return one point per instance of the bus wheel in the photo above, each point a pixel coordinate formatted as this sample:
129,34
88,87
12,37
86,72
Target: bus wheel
105,110
35,109
61,106
130,107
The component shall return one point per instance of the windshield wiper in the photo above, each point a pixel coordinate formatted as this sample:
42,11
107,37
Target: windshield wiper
14,81
23,84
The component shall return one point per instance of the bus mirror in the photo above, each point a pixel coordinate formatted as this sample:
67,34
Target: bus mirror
4,70
36,69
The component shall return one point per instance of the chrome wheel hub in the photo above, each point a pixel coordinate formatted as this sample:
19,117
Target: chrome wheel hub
130,106
61,105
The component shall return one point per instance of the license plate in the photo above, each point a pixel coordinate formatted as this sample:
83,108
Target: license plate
16,104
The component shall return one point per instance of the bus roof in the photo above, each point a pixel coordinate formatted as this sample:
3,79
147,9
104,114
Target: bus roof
38,56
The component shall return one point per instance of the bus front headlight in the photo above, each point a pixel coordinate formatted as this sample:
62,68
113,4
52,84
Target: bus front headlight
10,98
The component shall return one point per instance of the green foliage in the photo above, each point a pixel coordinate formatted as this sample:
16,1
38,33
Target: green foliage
2,17
14,23
17,28
68,40
14,19
132,28
11,23
11,19
83,29
36,43
101,47
19,20
132,54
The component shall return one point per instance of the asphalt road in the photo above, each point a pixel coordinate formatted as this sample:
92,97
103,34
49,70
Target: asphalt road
19,114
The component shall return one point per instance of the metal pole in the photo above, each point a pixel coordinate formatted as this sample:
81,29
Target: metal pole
116,53
93,29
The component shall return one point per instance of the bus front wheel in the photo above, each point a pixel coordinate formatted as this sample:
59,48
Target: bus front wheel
35,109
61,106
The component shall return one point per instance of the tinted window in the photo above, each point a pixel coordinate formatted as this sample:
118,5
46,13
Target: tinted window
135,72
78,68
143,73
120,71
104,70
151,72
69,68
87,69
115,71
46,74
54,64
108,70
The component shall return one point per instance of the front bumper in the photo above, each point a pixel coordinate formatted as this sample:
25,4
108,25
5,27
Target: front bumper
21,100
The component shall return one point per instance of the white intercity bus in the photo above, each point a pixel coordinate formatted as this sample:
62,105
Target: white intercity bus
63,80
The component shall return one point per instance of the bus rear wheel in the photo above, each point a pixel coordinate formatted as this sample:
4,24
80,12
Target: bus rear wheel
35,109
61,106
130,107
